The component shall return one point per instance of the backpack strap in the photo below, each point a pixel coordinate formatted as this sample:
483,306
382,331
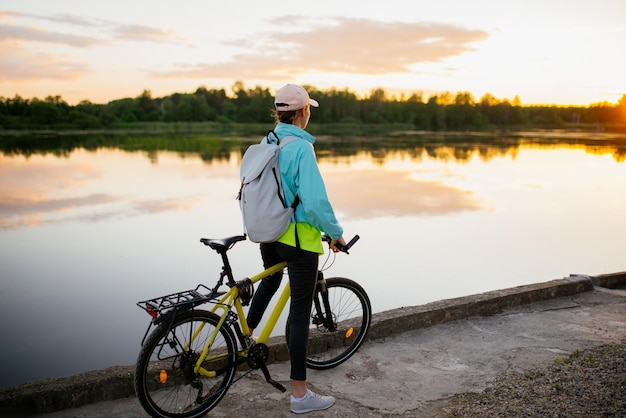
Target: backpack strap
295,203
288,140
267,137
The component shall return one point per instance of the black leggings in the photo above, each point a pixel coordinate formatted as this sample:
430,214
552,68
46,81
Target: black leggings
302,267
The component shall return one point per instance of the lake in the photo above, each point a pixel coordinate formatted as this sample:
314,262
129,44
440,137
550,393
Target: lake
86,232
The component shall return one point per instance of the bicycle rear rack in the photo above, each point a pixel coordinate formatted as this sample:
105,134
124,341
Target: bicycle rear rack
179,301
167,307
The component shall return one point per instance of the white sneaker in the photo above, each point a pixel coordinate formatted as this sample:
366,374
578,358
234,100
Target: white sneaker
311,402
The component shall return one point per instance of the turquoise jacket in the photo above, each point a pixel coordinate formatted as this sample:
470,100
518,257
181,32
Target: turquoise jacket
300,175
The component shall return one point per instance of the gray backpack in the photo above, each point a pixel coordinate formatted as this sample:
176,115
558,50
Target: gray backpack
266,216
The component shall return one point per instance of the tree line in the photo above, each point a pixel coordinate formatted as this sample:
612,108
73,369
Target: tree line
441,112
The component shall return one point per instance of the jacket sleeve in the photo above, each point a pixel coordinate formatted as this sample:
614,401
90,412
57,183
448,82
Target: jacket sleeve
313,196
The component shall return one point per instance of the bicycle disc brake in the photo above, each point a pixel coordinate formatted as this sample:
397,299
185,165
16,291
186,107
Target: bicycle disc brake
323,324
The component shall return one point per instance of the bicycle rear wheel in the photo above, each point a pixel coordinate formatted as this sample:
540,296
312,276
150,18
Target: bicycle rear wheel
165,382
351,314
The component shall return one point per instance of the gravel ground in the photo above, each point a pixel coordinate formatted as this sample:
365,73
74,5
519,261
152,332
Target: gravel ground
590,383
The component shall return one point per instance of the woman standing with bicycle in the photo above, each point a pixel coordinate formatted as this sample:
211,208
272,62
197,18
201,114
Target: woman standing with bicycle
301,245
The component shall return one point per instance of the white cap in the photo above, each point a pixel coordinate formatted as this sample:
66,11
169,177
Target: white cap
293,97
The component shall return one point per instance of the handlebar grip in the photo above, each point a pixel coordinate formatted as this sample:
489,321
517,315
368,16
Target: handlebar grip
343,248
351,243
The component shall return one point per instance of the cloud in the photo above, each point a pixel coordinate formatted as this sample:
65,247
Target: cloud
64,18
345,45
33,34
22,61
18,63
111,31
144,33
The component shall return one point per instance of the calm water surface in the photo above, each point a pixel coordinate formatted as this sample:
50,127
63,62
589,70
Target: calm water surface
85,235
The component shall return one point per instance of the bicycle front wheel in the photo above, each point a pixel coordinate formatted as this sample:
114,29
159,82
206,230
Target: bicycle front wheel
329,345
167,382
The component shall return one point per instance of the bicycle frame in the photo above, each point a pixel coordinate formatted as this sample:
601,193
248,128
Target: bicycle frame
231,299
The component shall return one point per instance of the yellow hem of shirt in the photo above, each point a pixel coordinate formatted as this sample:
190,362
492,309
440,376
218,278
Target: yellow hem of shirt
309,236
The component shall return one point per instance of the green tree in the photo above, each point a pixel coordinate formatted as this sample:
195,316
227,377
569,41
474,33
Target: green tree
147,109
124,110
42,113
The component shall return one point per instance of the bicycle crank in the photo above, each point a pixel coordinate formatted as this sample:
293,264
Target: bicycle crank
257,356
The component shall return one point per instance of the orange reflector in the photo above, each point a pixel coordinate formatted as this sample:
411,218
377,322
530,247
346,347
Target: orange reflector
349,332
163,376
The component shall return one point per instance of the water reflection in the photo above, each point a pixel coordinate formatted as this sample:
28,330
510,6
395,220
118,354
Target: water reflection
371,193
35,189
90,228
44,190
446,146
41,190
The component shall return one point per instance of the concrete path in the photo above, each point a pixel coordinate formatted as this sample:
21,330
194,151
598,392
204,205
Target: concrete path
414,372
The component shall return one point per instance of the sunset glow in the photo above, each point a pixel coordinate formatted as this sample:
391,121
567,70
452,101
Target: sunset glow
554,52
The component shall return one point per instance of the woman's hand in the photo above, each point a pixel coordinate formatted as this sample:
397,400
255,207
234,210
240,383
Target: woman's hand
334,242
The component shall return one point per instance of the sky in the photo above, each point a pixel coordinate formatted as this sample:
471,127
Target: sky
567,52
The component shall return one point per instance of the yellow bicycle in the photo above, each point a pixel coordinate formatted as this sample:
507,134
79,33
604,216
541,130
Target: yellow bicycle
188,362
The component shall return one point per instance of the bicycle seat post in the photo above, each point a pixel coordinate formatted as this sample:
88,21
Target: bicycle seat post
226,268
222,246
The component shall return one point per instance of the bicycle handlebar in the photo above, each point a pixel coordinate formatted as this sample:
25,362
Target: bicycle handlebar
342,248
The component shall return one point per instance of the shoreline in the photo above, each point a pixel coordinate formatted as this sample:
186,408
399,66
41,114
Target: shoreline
236,130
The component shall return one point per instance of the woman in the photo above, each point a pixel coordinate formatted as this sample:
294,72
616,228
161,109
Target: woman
313,215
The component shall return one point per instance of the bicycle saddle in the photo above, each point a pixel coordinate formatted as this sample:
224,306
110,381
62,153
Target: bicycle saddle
222,243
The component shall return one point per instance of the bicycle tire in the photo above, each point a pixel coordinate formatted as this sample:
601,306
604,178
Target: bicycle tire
352,313
165,382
